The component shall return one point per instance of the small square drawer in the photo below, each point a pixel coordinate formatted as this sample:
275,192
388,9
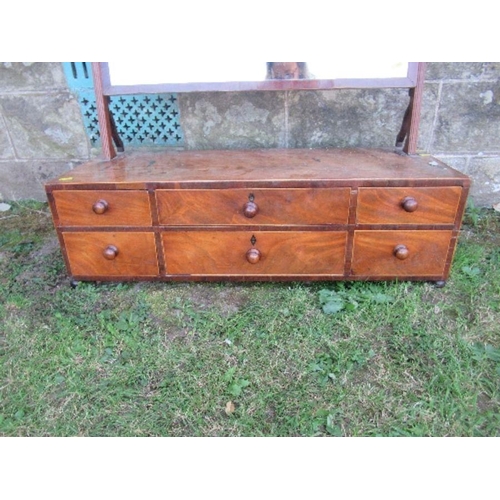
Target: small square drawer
418,205
95,253
253,206
254,253
102,208
400,253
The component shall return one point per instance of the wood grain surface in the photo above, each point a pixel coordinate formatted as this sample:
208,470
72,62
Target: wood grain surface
275,206
282,252
436,205
136,253
125,208
136,169
374,253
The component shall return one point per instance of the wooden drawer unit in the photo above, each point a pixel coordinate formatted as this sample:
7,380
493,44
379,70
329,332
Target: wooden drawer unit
410,205
103,208
106,254
253,206
259,214
400,253
256,253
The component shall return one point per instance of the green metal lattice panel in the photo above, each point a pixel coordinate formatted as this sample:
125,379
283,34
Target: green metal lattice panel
141,120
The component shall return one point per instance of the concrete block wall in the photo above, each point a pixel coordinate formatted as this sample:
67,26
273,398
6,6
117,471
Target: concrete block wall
41,129
461,123
42,134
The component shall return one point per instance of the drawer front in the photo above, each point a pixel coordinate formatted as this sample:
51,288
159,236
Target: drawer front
250,253
103,208
433,205
253,206
400,253
111,253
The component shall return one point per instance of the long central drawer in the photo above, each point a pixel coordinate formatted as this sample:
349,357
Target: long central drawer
253,206
261,252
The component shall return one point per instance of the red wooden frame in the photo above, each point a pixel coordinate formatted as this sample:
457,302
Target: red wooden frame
103,89
410,146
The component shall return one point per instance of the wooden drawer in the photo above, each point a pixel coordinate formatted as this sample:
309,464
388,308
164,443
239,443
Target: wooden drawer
102,208
400,253
253,206
111,253
421,205
231,252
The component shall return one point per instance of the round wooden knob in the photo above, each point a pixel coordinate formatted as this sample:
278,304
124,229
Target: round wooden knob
409,204
253,255
110,252
100,206
250,209
401,252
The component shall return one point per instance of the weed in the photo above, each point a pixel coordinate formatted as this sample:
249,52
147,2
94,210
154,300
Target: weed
343,298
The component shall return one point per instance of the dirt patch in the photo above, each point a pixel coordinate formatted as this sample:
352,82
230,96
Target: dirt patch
43,268
484,402
225,299
175,332
50,245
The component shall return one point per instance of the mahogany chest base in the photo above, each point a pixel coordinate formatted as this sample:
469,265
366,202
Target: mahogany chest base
259,215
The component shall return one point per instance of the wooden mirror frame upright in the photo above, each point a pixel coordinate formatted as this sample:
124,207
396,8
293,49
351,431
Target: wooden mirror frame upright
408,134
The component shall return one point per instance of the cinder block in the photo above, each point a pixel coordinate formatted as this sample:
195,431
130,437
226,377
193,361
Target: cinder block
472,71
6,151
485,173
346,118
45,125
25,179
427,115
460,163
27,76
233,120
468,118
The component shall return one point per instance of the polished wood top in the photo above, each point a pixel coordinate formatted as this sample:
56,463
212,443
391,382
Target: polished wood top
137,169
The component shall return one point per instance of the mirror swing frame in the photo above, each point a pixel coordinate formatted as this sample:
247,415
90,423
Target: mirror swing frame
406,139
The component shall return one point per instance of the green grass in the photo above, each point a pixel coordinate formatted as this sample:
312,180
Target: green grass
272,359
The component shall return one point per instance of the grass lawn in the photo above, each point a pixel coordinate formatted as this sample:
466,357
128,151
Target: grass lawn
254,359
